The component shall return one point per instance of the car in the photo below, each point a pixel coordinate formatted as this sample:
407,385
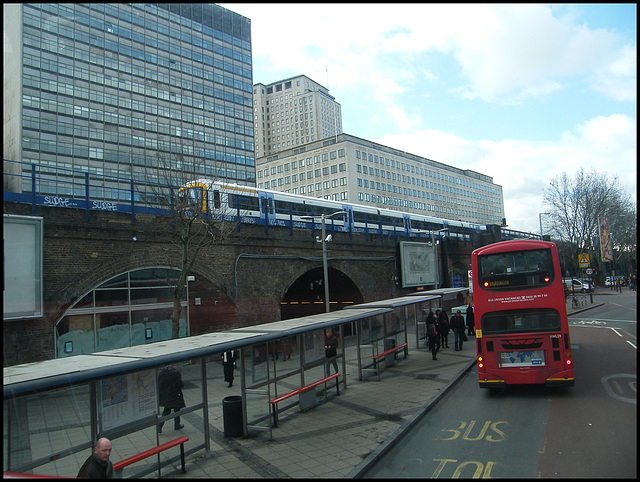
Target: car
582,286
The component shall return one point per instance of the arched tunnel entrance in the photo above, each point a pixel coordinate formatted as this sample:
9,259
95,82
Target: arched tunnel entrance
306,295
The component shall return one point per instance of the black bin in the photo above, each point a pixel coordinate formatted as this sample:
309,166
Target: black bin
232,416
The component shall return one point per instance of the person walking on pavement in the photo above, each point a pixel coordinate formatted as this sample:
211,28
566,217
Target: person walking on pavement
171,398
470,321
443,328
457,325
331,350
98,465
228,363
432,333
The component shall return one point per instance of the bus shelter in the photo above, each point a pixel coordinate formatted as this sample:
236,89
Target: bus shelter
292,358
376,336
55,410
448,299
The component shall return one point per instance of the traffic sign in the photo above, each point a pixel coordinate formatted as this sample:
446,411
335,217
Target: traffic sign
583,260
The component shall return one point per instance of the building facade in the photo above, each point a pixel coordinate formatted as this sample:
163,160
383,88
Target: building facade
119,90
293,112
351,169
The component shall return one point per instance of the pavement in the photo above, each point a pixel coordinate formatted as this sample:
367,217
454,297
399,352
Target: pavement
343,436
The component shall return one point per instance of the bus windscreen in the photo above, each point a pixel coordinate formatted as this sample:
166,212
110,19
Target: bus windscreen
516,270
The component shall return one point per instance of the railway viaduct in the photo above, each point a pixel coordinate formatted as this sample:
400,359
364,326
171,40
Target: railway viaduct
256,276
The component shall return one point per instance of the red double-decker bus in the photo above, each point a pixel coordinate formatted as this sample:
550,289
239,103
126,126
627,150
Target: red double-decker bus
522,332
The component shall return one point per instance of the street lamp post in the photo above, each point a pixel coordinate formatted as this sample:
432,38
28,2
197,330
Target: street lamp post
325,240
540,217
436,252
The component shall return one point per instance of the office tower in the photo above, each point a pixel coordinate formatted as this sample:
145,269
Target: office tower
117,89
293,112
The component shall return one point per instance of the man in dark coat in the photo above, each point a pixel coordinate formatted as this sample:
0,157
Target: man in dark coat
457,325
228,363
98,465
170,388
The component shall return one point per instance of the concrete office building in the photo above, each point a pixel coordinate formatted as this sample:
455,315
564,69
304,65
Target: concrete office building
348,168
114,89
293,112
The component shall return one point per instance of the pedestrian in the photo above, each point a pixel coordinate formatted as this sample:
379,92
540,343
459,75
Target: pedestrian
98,465
228,364
331,350
471,325
457,325
171,398
432,333
443,328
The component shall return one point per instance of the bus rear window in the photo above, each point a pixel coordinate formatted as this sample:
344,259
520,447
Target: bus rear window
520,321
515,270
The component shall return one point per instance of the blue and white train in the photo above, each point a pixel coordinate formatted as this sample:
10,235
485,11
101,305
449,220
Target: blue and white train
274,208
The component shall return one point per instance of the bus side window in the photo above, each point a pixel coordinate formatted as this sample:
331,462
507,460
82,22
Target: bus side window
216,199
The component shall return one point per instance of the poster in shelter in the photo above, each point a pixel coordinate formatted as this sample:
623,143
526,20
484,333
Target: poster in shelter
127,398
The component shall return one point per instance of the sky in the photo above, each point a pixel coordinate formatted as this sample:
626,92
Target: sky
522,93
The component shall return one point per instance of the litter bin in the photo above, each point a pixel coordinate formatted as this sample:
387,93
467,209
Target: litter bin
232,416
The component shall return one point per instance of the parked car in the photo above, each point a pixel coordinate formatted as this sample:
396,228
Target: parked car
582,286
617,280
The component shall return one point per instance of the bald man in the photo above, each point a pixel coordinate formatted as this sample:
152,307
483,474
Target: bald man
98,465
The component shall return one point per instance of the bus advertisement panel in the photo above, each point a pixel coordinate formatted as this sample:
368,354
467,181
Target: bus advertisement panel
522,332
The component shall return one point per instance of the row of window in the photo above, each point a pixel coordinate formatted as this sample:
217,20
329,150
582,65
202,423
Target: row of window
423,172
151,27
70,148
55,47
33,105
421,182
308,189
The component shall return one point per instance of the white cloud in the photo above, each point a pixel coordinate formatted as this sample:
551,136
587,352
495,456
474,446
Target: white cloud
524,168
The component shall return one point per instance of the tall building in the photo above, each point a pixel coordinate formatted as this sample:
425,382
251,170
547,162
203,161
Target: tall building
347,168
293,112
114,89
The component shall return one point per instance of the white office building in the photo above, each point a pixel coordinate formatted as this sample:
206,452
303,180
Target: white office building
347,168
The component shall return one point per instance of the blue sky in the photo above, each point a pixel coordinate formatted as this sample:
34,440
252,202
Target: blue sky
519,92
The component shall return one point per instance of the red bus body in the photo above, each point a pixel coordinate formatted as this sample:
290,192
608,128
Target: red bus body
522,332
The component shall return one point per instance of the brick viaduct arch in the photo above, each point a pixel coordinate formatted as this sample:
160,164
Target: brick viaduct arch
240,283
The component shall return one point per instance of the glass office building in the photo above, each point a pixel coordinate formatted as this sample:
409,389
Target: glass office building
117,89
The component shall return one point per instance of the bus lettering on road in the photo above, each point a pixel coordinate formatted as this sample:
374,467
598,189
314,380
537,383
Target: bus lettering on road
481,470
482,434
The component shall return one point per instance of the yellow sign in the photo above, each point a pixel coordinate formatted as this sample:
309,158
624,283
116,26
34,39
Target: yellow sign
583,260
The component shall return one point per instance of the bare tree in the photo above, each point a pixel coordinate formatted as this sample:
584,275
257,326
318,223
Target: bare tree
184,218
575,205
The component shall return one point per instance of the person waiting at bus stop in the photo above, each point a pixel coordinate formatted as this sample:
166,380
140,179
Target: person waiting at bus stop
432,332
443,328
98,465
457,325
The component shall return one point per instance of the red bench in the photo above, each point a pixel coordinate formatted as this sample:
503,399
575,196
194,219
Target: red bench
390,351
156,450
394,349
275,401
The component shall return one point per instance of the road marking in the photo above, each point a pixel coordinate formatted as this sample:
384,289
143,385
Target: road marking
632,344
605,319
621,386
